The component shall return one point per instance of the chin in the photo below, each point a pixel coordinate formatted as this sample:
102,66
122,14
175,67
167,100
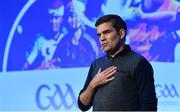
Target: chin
104,49
107,50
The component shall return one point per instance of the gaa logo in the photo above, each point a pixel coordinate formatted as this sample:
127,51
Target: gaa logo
55,97
166,91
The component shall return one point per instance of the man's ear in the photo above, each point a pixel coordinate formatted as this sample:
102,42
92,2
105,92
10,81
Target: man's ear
122,33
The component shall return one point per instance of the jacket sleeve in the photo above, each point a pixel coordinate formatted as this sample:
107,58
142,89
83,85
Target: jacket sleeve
88,79
146,88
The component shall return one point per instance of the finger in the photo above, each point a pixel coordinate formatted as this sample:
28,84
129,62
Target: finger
110,79
111,73
109,68
99,70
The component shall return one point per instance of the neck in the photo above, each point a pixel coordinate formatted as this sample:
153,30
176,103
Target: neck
113,54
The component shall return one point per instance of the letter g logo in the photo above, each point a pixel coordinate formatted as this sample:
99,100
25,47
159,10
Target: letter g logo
55,99
166,91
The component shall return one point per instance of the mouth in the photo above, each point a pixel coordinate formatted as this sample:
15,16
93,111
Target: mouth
104,45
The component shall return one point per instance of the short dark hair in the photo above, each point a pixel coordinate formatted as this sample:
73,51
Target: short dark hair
117,22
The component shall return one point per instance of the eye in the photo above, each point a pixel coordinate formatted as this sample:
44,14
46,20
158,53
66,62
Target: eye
106,32
109,31
98,34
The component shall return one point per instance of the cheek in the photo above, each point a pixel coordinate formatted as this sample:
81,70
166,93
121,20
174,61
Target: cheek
115,42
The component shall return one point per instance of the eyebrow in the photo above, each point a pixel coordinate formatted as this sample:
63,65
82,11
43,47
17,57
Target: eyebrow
105,32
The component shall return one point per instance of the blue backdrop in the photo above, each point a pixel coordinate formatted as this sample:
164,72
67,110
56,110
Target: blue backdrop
47,46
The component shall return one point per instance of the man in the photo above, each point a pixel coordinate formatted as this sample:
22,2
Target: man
42,56
121,80
77,48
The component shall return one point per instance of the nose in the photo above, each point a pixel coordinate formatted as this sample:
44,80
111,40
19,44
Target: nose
102,37
53,20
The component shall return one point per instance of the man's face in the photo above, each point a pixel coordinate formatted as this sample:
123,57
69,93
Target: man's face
56,22
109,38
73,21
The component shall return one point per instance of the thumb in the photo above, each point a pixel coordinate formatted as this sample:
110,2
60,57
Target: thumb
99,70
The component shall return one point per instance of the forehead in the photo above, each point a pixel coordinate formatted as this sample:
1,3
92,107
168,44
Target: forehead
104,26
